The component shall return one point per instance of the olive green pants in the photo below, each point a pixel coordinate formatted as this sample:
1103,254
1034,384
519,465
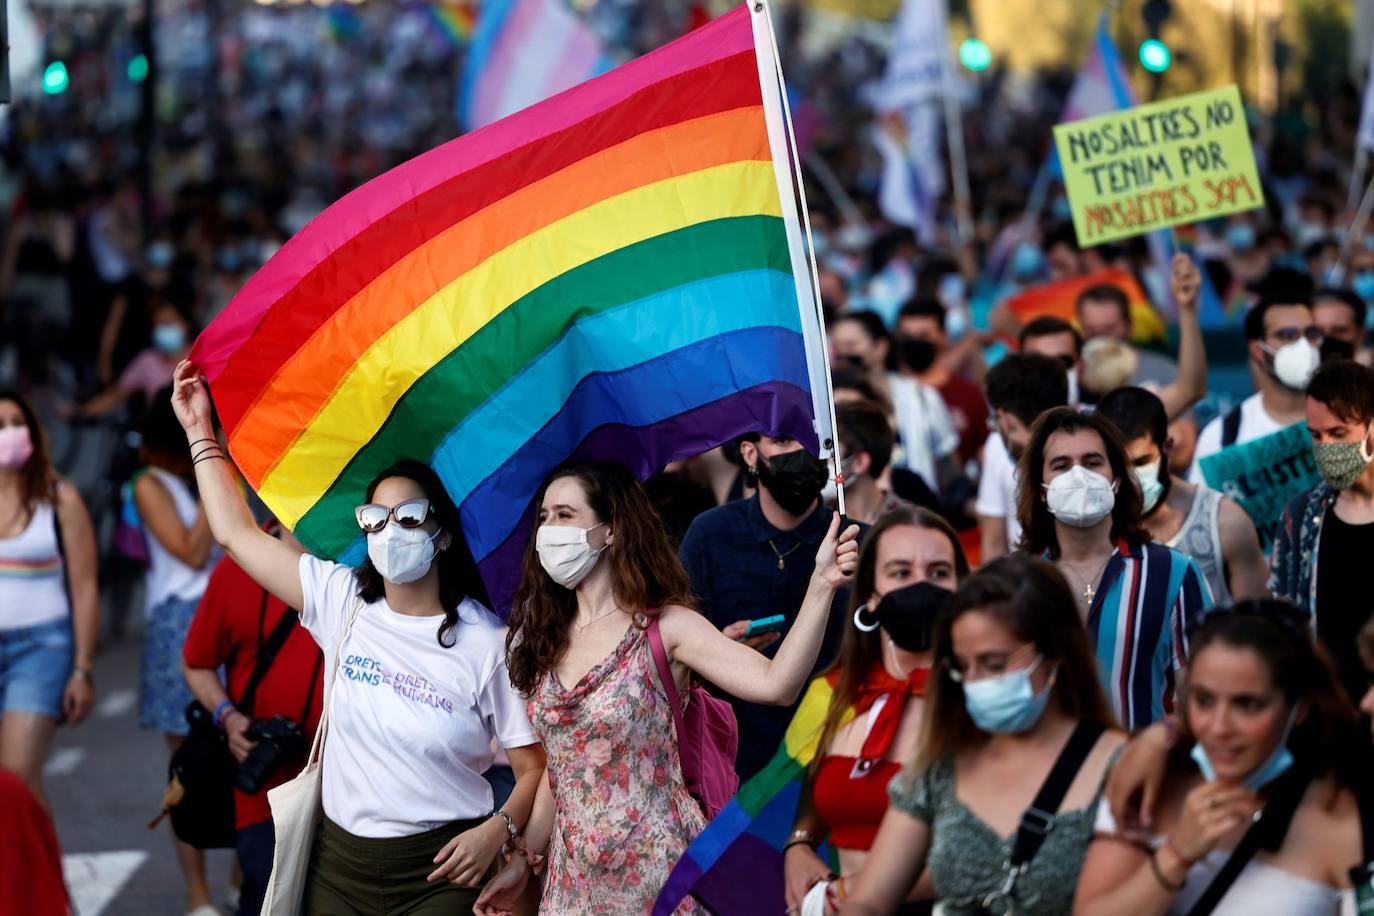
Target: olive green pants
356,875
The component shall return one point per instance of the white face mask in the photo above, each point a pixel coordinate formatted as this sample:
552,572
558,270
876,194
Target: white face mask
1080,497
1151,487
401,555
565,553
1295,363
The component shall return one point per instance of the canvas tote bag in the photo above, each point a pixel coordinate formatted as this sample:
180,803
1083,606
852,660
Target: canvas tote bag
296,811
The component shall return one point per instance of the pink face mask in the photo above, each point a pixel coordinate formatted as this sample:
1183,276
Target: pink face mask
15,447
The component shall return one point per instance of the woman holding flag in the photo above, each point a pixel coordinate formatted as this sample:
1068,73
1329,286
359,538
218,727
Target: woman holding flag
601,584
419,689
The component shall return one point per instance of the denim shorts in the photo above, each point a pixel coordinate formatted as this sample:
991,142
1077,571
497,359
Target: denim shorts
35,664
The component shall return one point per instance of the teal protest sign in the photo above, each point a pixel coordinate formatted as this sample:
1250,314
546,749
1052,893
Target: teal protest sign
1262,475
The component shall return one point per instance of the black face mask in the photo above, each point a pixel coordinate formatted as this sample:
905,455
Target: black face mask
1332,348
917,354
908,614
793,479
852,361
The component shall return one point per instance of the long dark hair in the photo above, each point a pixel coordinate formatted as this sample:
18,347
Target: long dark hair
1329,739
1030,598
1037,523
458,576
860,651
37,477
646,573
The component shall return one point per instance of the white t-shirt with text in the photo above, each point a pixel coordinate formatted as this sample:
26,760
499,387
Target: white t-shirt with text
411,723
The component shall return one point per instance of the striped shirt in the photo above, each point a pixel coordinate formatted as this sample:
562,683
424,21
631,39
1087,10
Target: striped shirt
1144,604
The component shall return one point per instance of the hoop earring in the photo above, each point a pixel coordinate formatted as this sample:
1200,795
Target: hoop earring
858,620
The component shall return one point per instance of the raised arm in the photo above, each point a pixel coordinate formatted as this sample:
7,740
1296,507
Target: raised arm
691,640
271,563
1191,384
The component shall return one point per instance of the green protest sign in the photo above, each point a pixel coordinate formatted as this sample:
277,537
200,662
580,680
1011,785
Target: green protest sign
1262,475
1153,166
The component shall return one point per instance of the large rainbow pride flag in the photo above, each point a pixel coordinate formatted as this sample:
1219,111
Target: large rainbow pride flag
618,271
735,865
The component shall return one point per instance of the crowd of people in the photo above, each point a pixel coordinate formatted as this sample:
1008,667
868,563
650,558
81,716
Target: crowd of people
1065,672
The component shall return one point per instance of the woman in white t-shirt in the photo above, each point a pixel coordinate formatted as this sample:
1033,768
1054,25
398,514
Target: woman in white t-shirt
420,691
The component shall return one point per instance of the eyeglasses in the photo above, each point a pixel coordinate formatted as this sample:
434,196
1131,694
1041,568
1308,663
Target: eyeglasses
960,676
410,514
1288,335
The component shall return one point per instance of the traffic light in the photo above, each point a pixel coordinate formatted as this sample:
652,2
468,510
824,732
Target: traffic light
1155,55
974,54
55,78
138,68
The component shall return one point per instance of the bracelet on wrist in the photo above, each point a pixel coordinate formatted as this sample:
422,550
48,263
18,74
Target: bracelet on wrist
511,829
204,439
221,713
802,836
1177,852
1163,880
83,671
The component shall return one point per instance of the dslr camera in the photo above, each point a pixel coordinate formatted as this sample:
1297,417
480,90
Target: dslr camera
278,741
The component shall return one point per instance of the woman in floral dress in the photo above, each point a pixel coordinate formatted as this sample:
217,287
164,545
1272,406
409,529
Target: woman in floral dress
614,815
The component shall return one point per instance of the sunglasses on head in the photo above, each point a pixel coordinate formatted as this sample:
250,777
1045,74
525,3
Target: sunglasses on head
410,514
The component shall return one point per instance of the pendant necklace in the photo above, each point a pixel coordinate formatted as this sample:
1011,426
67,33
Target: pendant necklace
781,556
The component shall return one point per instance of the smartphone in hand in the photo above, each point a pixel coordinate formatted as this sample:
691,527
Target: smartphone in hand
764,625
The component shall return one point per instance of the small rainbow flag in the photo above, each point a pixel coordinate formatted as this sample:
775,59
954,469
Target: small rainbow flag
1060,299
453,19
735,864
617,272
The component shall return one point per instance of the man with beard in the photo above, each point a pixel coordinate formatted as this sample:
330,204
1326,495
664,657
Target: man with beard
1194,520
1020,388
753,558
1283,343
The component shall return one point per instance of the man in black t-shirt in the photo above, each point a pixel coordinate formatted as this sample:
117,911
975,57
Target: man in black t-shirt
1335,520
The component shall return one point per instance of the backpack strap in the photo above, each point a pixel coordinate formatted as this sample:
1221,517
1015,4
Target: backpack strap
1230,426
665,674
1268,831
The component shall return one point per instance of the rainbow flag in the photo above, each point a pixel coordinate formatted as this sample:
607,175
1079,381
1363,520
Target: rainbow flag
453,19
522,52
1060,299
617,272
735,864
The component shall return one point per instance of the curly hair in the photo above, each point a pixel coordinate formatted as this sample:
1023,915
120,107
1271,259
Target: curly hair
646,574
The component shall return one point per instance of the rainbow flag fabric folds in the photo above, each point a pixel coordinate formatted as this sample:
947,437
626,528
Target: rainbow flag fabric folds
616,272
735,864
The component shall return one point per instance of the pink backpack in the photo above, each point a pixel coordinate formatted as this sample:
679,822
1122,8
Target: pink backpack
707,736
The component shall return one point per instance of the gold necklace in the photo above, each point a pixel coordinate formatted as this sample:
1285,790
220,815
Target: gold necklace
582,627
781,556
1089,592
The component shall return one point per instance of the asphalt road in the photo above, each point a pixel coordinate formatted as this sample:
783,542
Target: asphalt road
105,779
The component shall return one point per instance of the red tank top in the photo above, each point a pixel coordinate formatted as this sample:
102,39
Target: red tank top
852,808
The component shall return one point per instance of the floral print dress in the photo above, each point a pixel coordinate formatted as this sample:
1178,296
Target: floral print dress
622,816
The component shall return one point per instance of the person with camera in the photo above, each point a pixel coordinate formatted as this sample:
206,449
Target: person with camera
269,705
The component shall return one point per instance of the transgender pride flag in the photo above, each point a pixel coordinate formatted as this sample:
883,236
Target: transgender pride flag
522,52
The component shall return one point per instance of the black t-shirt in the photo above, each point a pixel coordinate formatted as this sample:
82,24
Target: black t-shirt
1345,596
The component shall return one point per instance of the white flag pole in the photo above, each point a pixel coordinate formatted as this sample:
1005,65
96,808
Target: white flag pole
774,89
954,130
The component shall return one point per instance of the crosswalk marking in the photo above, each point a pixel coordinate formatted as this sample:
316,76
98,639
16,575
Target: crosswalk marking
116,703
63,762
94,879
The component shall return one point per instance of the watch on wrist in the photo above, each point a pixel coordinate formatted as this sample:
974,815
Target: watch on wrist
83,672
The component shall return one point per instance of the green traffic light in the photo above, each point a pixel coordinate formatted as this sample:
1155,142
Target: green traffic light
138,68
974,54
1155,55
55,78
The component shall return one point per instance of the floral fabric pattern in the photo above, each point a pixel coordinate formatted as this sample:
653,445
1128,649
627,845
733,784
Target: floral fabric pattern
622,816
